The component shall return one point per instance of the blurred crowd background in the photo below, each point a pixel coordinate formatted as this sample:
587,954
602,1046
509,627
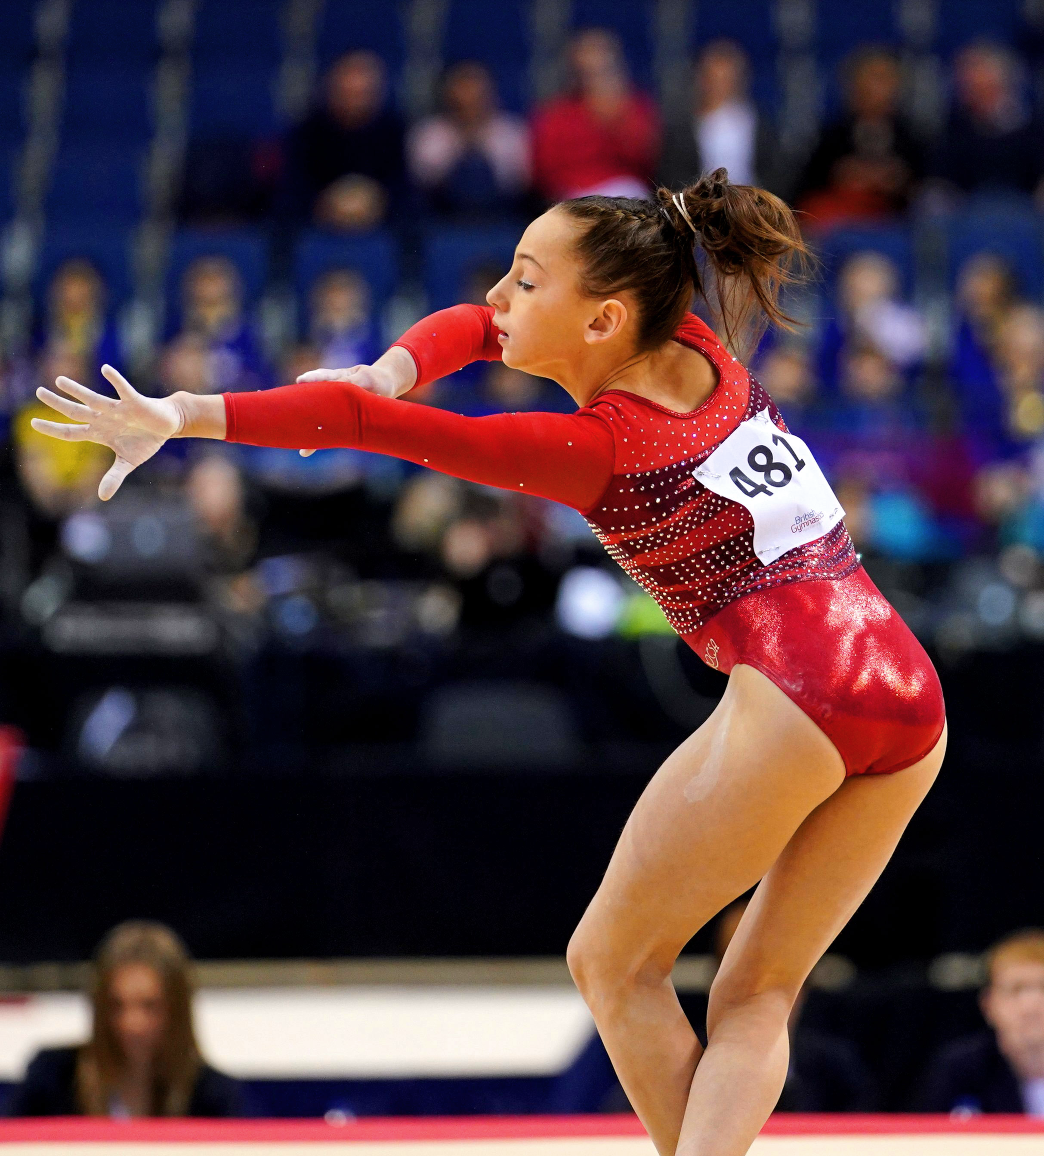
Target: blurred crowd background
370,710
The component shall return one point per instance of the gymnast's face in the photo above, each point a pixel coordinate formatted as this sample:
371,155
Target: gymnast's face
549,327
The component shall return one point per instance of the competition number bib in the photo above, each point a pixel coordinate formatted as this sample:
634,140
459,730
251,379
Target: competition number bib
776,477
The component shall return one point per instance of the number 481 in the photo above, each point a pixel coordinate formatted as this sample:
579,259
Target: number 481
761,461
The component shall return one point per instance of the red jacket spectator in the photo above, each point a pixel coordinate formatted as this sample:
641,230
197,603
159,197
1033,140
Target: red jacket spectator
604,136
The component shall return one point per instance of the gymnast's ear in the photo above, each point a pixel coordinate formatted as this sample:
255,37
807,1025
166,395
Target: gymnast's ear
607,322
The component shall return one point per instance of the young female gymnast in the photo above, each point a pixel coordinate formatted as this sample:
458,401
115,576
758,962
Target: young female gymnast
831,729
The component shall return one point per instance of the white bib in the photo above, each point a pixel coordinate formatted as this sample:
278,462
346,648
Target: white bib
775,476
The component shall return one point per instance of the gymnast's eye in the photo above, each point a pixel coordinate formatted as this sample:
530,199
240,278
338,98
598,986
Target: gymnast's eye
525,285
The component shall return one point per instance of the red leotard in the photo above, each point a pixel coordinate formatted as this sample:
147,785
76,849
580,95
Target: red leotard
811,621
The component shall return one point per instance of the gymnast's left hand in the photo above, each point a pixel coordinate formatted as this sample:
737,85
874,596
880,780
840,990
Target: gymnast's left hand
132,426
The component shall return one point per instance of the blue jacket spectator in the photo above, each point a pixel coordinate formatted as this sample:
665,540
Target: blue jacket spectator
77,318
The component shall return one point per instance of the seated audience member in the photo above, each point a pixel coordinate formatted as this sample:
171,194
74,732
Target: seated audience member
723,128
826,1073
1001,1069
142,1058
786,372
870,313
986,294
212,312
76,316
471,159
864,165
602,136
992,143
1011,417
344,163
341,326
217,496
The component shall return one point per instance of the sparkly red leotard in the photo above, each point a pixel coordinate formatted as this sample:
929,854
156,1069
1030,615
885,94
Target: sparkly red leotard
810,620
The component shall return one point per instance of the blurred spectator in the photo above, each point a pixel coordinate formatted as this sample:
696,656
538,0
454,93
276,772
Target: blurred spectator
344,162
602,136
1004,408
76,316
992,143
723,128
986,294
212,312
341,326
826,1073
871,313
472,159
1002,1069
215,491
784,370
865,163
142,1058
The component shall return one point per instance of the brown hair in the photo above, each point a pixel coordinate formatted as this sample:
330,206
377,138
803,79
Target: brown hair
100,1059
747,236
1020,947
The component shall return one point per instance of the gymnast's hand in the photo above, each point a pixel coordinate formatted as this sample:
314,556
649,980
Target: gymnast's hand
393,374
133,426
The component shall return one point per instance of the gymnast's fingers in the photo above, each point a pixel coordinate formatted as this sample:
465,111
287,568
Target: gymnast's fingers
71,409
60,429
93,401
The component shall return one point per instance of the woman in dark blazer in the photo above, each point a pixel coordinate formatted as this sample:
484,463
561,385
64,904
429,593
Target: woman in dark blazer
142,1058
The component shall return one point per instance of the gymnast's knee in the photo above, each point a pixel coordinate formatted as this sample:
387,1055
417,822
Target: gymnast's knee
768,997
607,972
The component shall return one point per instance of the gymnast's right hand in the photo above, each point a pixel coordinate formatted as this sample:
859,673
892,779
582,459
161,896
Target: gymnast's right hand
132,426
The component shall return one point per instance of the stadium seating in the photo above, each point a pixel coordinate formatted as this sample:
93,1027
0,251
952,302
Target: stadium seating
347,26
894,242
245,248
451,254
1017,237
96,181
105,103
112,32
17,35
373,255
107,247
503,45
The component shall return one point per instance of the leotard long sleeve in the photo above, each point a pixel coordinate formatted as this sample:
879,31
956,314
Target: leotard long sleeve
446,341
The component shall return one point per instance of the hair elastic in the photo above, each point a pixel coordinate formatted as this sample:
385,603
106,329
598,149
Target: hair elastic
679,204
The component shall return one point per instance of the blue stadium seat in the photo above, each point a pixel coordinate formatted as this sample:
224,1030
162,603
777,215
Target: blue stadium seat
893,242
96,182
116,32
373,255
12,105
108,248
451,254
228,101
103,103
349,24
633,21
1015,236
17,32
239,33
247,249
8,171
751,24
503,44
958,24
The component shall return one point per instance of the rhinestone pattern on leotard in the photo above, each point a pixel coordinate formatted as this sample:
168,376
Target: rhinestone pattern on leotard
689,548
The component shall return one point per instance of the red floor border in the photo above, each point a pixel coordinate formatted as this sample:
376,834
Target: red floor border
465,1128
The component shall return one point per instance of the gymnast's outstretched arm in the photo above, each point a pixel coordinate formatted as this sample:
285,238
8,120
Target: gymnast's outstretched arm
566,457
